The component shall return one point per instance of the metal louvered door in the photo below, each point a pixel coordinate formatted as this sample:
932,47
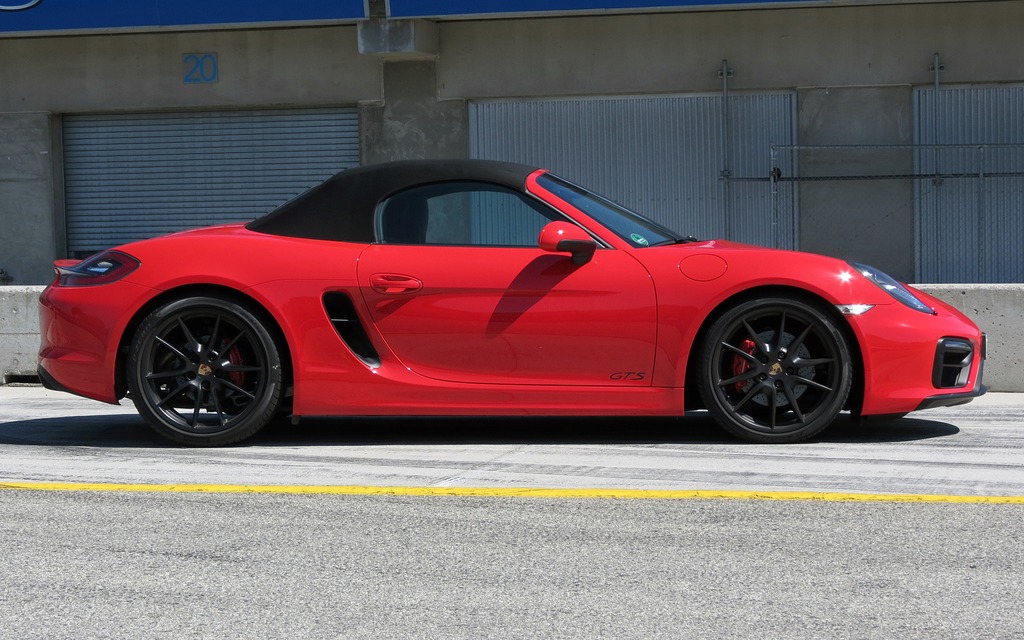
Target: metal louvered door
970,189
667,157
135,176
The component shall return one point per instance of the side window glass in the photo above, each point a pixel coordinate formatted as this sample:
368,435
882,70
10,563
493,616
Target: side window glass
462,213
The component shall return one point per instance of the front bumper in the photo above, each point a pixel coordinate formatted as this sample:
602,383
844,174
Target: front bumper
943,370
915,361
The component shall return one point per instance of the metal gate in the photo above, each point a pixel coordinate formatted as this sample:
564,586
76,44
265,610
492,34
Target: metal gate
697,164
129,177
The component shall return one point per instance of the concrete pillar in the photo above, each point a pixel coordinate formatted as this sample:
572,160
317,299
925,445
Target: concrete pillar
27,198
413,123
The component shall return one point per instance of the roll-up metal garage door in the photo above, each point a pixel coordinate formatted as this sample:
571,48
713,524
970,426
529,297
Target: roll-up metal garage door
692,163
135,176
970,189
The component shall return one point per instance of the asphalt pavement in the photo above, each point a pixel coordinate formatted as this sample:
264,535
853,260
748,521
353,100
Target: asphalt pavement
85,555
971,450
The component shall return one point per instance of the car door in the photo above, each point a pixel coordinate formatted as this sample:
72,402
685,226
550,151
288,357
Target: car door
460,292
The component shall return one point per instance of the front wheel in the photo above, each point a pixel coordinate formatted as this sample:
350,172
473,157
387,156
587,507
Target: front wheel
774,370
204,371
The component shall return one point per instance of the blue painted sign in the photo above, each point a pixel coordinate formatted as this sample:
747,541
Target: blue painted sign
200,68
470,8
56,16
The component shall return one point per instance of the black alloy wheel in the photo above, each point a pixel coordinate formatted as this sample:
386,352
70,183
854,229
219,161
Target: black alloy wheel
204,371
775,370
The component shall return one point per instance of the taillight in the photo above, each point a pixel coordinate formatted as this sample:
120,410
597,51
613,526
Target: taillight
102,268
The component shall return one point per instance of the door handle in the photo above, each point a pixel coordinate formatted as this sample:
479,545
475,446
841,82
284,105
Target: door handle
394,284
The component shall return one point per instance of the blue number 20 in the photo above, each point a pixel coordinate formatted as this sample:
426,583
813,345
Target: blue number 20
200,68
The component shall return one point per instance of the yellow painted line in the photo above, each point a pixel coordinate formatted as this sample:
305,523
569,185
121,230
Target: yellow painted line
508,492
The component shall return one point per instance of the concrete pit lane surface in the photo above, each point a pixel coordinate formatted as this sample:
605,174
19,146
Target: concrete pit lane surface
525,528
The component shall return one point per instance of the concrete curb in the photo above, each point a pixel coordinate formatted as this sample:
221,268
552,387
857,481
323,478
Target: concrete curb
997,308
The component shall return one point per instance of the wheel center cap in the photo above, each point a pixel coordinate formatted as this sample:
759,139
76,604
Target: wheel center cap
773,370
205,370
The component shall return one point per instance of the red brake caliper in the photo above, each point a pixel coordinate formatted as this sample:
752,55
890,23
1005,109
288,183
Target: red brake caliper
740,364
235,358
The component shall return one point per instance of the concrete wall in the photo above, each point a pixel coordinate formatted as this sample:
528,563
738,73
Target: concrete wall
852,67
853,46
41,77
997,309
27,197
19,331
274,67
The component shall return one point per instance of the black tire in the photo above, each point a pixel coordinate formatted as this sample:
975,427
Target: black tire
764,388
204,371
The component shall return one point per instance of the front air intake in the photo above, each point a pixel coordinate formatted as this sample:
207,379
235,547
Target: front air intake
345,321
953,358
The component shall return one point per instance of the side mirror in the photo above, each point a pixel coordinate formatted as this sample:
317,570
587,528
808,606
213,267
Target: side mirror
562,237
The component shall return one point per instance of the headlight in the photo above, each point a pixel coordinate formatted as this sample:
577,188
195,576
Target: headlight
893,287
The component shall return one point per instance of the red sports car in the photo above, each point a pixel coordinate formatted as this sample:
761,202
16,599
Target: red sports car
484,288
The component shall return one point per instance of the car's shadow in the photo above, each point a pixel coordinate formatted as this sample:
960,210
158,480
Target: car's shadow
129,431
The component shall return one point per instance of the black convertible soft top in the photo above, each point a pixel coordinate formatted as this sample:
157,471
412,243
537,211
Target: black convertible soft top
342,208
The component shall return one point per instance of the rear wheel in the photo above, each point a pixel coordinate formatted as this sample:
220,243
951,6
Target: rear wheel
204,371
775,370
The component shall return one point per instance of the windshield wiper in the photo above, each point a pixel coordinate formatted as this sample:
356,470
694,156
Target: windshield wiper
686,240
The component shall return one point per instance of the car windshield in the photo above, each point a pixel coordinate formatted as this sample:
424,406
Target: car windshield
632,227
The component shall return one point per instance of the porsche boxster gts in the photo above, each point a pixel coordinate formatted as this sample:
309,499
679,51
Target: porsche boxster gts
483,288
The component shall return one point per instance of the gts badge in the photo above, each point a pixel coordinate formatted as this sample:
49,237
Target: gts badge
628,376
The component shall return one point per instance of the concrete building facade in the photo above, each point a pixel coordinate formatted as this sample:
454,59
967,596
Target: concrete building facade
884,108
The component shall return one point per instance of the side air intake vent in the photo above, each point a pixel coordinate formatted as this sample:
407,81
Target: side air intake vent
953,359
343,316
